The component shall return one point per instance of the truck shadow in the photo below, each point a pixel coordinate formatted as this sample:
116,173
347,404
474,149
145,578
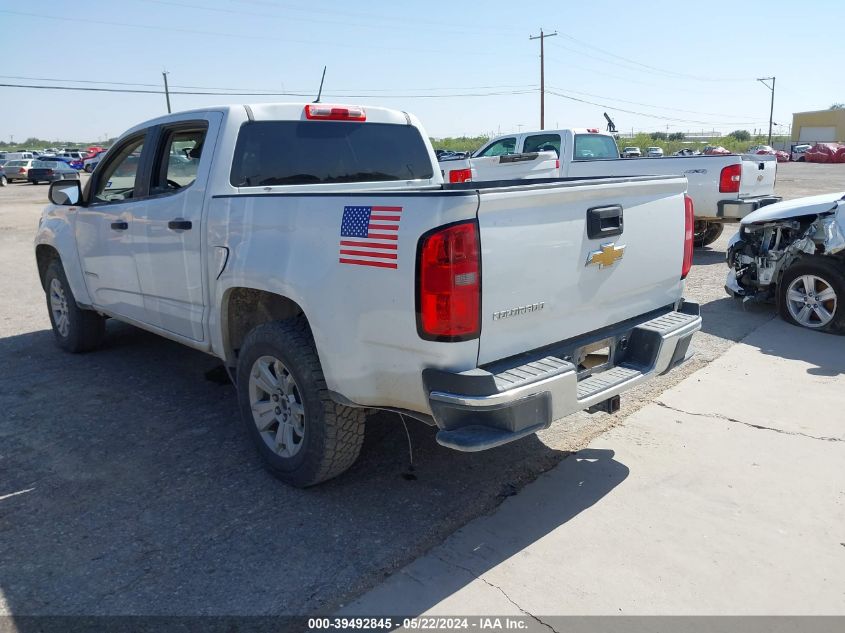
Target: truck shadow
825,353
127,486
583,479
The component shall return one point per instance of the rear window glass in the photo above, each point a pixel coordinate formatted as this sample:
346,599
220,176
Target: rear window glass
16,163
46,164
312,152
593,146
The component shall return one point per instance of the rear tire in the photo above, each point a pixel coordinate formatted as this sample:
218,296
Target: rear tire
76,330
3,181
709,233
88,169
302,435
826,280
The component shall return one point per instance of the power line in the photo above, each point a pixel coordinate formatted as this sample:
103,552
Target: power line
264,94
644,114
649,105
647,66
252,37
274,91
402,24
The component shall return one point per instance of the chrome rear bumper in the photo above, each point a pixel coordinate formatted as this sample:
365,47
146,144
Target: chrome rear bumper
489,406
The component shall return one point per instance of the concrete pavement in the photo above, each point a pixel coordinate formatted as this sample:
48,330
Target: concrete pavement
724,496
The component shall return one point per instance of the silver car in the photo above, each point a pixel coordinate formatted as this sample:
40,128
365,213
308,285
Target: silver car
17,169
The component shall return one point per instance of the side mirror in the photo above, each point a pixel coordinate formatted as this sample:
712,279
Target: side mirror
65,192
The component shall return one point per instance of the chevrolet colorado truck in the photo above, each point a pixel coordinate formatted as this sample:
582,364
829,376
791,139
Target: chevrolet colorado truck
724,189
316,251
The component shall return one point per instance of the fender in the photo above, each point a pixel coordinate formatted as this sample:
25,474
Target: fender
56,229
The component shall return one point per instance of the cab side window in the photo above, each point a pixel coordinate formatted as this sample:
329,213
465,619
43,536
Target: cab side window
502,147
543,143
177,163
117,181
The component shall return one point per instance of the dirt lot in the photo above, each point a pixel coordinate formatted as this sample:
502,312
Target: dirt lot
128,487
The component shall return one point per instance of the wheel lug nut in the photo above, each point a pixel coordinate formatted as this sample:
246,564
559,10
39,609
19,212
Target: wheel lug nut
278,410
275,398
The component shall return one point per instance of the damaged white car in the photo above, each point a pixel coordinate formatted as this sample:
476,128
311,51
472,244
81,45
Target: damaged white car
793,253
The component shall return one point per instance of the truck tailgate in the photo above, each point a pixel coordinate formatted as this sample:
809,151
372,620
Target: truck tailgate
537,285
758,176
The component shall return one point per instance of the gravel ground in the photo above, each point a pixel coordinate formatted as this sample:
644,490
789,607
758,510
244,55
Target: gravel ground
128,487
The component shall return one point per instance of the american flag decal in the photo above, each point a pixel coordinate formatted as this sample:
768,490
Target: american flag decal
368,236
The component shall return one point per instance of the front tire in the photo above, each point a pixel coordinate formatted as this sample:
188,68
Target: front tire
302,435
707,232
811,294
76,330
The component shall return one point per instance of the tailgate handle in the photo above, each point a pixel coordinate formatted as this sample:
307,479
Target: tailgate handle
604,222
761,166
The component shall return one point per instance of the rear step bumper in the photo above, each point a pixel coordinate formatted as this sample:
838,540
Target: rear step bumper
507,400
738,209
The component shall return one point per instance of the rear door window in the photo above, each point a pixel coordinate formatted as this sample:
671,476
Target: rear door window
595,146
313,152
542,143
179,158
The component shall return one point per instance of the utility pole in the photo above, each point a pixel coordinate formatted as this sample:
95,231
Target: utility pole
542,37
763,81
166,91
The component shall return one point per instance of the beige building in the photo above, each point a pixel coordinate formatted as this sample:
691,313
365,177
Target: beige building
820,126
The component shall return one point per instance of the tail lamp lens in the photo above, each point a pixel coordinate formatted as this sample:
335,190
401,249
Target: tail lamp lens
689,234
729,179
449,284
460,175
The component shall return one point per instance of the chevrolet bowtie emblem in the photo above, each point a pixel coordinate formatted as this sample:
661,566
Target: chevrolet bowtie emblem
608,255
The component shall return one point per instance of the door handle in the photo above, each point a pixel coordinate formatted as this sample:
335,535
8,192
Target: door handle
604,222
120,226
180,225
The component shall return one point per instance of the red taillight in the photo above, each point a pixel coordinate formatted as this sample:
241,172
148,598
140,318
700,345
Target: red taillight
449,284
49,172
729,179
593,130
22,170
689,233
460,175
335,113
557,164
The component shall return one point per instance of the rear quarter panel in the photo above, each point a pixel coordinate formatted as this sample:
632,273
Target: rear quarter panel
363,317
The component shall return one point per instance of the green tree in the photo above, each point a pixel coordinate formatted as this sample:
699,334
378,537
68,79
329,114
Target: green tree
658,136
838,106
741,135
677,136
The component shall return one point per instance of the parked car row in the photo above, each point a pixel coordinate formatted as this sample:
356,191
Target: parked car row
37,170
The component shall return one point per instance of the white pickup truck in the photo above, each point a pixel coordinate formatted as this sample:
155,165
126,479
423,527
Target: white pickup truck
316,252
723,188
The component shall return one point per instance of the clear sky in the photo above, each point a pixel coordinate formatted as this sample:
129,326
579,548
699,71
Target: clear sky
659,65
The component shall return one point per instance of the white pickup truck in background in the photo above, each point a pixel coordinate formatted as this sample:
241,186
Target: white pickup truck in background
315,250
723,188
